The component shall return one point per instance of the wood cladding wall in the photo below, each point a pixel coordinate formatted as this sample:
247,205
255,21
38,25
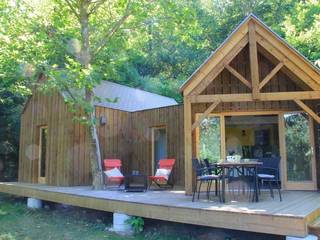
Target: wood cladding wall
125,135
142,124
67,155
128,136
115,135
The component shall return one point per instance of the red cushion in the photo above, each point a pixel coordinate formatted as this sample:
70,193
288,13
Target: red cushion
158,178
112,163
167,163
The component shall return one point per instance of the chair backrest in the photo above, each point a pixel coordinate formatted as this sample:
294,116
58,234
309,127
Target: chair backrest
167,163
272,162
196,166
112,163
207,164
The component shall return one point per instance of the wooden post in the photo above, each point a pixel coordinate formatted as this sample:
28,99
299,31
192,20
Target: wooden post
283,153
253,53
188,145
223,137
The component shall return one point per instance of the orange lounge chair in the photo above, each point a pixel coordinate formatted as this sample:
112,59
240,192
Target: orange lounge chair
113,172
163,176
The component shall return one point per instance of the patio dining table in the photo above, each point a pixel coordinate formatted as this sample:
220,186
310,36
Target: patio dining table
242,168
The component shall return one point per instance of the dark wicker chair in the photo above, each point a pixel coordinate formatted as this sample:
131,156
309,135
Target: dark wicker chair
204,175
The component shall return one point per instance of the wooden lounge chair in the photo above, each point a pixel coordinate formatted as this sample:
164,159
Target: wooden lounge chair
163,176
113,166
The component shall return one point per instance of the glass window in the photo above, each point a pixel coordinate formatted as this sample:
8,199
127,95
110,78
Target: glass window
253,137
210,146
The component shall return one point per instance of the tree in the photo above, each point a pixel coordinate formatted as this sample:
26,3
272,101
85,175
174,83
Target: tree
78,74
302,29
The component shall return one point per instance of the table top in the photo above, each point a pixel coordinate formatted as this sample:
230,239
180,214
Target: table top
243,164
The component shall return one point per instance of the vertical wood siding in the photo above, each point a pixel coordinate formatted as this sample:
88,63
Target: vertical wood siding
66,141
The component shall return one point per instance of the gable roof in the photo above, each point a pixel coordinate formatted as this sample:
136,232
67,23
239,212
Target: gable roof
235,37
130,99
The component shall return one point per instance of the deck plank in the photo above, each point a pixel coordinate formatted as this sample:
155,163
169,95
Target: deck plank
289,217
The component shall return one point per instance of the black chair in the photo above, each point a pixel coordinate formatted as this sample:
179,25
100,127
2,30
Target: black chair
203,176
269,173
213,169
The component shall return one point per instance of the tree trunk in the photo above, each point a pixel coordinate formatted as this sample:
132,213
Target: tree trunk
85,58
95,158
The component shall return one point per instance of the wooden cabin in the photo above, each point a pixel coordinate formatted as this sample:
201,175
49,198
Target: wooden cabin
255,97
140,128
253,89
263,97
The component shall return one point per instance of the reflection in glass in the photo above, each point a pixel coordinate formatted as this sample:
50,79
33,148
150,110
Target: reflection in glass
298,147
210,147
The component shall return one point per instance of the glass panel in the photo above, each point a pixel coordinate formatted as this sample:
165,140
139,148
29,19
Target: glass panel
160,145
43,142
253,137
210,146
298,147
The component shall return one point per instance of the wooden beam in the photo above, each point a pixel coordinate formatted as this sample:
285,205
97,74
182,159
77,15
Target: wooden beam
292,66
217,69
253,54
205,114
215,59
271,75
293,57
308,110
247,97
187,145
239,76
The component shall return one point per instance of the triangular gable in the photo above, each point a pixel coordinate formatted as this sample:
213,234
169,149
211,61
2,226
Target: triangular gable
265,37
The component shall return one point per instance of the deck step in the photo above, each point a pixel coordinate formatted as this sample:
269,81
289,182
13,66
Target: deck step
314,227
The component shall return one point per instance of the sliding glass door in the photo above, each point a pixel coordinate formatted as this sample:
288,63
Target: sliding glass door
299,152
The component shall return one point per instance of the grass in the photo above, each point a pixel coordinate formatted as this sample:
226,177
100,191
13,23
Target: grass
17,222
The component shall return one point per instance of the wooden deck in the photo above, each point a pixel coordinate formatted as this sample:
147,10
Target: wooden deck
290,217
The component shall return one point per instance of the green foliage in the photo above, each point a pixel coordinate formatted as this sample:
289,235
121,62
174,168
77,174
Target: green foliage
302,29
299,151
210,139
137,224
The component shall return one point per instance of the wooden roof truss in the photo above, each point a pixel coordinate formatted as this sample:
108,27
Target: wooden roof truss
258,36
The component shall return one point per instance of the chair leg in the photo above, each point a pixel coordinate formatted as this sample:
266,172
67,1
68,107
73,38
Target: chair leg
194,191
209,188
218,191
271,190
216,186
150,184
279,190
199,190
